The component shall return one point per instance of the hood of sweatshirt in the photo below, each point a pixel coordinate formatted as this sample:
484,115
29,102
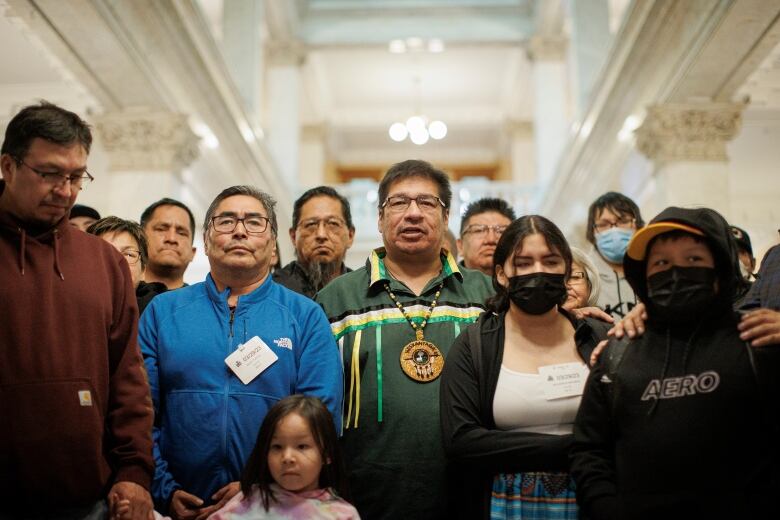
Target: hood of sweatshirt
26,232
704,222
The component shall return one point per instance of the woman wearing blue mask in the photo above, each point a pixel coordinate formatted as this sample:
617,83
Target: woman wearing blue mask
511,386
613,219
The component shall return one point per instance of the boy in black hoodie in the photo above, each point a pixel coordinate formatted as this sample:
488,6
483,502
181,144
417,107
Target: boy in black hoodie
681,422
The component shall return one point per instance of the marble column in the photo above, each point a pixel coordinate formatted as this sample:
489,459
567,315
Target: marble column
243,37
147,154
283,80
521,152
313,160
551,102
687,144
590,41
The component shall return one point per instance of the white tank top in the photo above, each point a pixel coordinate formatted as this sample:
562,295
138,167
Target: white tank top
519,404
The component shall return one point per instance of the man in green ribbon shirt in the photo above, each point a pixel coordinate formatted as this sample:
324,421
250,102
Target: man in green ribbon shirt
394,320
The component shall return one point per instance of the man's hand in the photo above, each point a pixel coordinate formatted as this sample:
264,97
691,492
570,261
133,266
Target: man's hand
633,324
222,496
760,327
184,506
129,501
592,312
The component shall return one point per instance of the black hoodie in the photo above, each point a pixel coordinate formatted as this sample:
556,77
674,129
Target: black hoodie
686,423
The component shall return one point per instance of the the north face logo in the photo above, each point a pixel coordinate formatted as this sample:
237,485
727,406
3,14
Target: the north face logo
284,343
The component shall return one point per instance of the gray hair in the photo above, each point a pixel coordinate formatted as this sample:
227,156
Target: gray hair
265,199
591,275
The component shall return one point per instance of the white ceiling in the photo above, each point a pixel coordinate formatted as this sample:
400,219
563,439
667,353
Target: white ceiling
355,88
763,85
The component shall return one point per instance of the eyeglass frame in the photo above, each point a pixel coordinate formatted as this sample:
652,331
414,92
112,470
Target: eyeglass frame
584,278
409,204
621,223
131,250
242,221
317,221
487,227
78,183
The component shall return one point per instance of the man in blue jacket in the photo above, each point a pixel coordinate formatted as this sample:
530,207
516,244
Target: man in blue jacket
220,353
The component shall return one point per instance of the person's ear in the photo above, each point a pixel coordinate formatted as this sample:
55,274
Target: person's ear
8,167
501,277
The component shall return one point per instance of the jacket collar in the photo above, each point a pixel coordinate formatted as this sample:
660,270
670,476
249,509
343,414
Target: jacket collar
255,296
606,272
378,272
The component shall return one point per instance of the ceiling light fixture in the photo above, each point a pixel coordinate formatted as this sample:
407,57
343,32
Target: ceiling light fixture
417,127
415,44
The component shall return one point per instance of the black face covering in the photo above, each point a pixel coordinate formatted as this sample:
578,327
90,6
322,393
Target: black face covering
537,293
681,294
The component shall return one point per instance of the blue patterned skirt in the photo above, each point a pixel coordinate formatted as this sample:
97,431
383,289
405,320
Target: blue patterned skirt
533,496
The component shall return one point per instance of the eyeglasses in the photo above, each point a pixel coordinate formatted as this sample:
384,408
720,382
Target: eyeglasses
57,179
577,277
480,230
131,255
332,225
254,224
622,222
400,203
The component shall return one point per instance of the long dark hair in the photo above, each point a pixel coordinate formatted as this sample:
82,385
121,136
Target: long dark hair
512,239
320,421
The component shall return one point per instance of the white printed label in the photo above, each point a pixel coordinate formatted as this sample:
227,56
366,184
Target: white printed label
251,359
564,380
85,398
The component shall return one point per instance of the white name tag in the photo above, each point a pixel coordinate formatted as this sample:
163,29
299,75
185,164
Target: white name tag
251,359
564,380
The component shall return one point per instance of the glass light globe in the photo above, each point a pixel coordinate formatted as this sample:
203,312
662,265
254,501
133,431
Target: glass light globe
419,136
437,129
415,122
398,132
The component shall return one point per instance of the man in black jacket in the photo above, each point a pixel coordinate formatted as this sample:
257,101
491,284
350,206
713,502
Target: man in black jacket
321,231
680,422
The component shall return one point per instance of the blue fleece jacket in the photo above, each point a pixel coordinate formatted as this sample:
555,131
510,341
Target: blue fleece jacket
206,419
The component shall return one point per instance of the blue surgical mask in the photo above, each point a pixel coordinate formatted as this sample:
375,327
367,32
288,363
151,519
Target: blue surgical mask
612,243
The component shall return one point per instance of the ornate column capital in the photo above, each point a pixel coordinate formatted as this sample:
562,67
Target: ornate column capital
547,48
688,132
146,140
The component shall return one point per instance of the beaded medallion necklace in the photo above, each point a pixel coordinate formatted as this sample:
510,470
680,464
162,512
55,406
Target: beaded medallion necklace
421,360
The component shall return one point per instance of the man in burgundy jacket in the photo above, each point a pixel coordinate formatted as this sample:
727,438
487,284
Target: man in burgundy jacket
77,415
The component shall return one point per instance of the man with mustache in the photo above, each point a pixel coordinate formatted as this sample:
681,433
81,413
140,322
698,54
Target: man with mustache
480,228
321,231
221,352
170,230
395,319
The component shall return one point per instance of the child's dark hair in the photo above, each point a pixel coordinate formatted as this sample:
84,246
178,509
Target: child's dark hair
320,421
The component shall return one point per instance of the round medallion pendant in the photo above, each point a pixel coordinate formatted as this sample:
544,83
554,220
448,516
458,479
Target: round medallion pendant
422,361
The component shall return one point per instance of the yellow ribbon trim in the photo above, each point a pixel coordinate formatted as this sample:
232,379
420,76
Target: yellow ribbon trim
354,385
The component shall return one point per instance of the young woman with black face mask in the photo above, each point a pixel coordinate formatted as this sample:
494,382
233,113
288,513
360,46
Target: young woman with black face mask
511,386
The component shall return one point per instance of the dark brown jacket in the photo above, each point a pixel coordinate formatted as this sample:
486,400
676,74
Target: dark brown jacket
74,397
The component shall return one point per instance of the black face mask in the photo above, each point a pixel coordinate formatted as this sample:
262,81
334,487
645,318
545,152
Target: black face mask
681,294
537,293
